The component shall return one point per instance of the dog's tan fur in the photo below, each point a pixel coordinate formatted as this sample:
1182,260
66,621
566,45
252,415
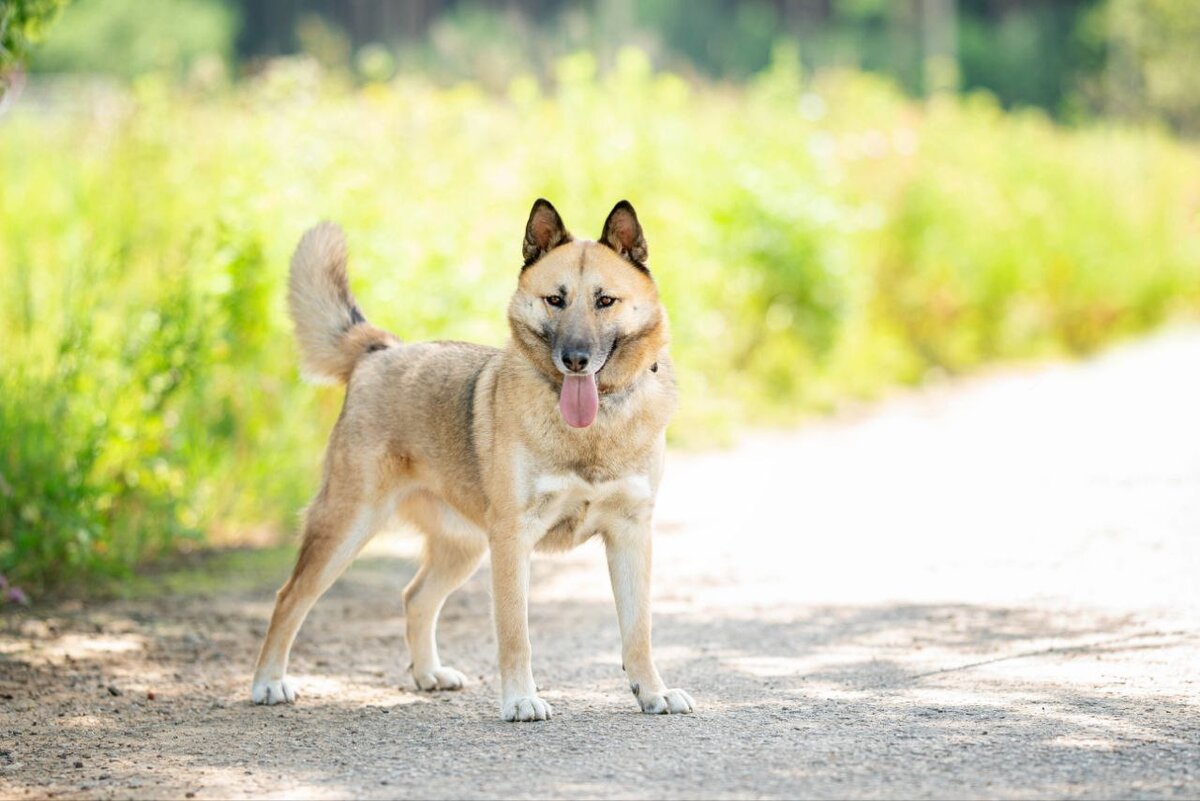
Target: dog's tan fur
467,443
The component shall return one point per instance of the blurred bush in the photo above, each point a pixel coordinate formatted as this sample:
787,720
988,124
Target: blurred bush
126,38
815,240
1033,55
22,24
1151,69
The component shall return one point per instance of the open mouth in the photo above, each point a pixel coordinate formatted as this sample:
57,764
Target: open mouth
579,400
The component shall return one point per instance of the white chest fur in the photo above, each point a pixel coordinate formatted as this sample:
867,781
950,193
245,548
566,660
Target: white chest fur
564,510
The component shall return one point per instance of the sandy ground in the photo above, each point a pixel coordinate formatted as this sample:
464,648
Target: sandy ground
987,589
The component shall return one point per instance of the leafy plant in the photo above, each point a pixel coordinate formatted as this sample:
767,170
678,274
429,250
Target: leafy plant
816,239
22,24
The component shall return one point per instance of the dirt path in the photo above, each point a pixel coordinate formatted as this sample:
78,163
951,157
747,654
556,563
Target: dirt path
985,590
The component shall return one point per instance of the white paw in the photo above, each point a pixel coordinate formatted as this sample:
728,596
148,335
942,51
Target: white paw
671,702
279,691
442,678
526,708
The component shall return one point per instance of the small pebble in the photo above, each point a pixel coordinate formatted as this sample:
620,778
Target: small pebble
114,690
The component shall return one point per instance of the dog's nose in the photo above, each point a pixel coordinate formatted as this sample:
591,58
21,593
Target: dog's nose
575,360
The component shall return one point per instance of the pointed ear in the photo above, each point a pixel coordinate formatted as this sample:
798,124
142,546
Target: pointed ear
544,231
623,233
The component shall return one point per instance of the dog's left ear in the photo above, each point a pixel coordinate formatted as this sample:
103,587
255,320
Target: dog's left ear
623,233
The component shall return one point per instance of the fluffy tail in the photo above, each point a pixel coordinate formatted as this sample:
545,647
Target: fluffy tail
332,332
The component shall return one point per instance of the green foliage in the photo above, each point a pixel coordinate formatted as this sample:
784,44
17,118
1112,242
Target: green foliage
815,240
1028,57
22,24
733,41
1150,71
127,38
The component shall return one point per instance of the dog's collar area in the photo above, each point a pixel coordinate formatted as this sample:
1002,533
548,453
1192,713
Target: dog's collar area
617,390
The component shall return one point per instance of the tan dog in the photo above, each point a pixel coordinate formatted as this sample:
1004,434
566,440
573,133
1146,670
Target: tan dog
557,438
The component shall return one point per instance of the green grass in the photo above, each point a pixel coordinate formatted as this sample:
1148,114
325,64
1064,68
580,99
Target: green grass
209,573
814,240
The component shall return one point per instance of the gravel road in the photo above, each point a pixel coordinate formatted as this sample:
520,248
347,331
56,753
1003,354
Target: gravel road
989,588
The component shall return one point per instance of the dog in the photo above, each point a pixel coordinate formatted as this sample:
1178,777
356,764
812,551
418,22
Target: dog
554,439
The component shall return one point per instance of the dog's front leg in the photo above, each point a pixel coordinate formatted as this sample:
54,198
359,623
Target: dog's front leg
510,595
629,557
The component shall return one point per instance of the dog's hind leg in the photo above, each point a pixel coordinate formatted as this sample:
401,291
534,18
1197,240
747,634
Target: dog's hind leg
453,549
338,525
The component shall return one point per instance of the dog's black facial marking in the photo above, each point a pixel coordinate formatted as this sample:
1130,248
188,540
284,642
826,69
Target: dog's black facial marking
619,340
376,346
356,316
637,688
544,333
616,341
527,335
641,333
602,300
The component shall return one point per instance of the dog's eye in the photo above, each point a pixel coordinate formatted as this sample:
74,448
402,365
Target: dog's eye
555,300
604,301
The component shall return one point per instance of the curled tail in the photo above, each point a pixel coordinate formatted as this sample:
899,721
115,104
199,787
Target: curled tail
332,332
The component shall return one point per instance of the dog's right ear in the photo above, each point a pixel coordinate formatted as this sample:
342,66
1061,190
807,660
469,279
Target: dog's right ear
544,232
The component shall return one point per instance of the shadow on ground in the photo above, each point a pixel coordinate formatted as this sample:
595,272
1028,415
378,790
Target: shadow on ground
149,699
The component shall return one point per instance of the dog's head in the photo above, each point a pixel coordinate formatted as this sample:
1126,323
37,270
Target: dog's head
587,314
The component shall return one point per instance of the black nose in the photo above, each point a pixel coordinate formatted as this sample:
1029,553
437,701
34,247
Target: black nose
575,360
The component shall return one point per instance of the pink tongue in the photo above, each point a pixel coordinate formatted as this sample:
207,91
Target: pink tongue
579,400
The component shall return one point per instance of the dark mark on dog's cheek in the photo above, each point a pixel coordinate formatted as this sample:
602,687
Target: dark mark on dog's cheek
613,349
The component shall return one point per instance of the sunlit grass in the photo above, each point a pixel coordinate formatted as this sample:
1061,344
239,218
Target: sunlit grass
815,240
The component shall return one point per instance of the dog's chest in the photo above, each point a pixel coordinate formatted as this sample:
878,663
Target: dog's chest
570,510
